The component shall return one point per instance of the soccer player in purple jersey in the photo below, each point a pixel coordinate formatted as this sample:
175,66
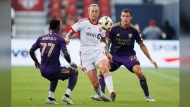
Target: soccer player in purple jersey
50,46
123,36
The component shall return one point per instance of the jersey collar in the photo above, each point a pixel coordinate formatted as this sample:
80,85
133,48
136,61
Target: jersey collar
127,26
91,22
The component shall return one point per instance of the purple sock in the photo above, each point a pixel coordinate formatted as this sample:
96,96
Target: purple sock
102,83
144,85
73,81
53,85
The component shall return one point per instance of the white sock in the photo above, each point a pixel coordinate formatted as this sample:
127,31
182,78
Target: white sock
51,94
68,91
98,91
109,82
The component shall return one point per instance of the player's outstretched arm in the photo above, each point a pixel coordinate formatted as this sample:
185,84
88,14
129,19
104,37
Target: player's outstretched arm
108,41
67,39
33,56
145,51
68,58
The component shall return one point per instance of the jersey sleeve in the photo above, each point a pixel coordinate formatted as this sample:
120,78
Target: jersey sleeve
78,26
63,44
36,45
110,34
138,37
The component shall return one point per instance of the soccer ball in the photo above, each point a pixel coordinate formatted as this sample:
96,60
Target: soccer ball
105,22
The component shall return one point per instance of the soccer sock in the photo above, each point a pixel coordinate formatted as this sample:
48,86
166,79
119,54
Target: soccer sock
51,94
144,85
102,83
98,91
53,85
68,92
72,81
108,81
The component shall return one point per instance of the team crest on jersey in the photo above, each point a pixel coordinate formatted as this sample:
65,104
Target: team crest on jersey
100,29
130,35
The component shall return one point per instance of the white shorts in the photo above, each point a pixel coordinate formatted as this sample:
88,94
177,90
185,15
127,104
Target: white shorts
89,60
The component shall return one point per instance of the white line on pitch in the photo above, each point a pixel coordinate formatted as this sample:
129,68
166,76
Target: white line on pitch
162,75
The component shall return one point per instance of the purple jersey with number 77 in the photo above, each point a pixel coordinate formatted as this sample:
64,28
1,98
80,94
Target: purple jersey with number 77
50,46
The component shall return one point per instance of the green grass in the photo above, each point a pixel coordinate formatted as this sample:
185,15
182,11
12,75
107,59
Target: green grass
29,89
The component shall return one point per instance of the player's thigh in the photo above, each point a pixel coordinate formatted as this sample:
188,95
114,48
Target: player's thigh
114,66
87,66
130,61
66,72
102,60
87,62
137,70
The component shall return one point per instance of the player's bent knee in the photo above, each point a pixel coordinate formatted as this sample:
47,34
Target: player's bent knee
75,72
104,69
139,74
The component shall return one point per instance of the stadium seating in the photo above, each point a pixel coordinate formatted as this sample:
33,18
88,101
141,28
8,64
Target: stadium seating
55,10
104,7
86,4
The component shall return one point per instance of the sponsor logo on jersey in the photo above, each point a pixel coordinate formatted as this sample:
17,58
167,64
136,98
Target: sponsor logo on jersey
98,36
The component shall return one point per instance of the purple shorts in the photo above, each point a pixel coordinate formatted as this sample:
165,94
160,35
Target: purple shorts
65,72
128,61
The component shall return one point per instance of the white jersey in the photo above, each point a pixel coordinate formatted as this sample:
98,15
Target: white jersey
90,35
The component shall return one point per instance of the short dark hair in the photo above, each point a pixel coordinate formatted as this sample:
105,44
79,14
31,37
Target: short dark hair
127,10
54,24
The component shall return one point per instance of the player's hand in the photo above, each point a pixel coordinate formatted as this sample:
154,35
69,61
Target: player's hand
154,63
109,56
37,64
67,41
73,65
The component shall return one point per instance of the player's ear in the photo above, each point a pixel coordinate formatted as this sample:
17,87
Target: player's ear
131,17
58,28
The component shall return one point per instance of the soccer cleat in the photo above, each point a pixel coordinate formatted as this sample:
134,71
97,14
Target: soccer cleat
67,99
96,97
148,98
51,101
112,96
104,98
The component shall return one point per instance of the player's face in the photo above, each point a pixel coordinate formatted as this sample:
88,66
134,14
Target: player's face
125,17
93,12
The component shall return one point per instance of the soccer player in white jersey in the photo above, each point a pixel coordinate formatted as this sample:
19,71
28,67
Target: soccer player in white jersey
92,51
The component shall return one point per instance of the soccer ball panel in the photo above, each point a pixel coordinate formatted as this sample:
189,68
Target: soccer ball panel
105,23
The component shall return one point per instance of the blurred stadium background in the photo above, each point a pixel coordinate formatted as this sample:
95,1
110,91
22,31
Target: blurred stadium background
30,20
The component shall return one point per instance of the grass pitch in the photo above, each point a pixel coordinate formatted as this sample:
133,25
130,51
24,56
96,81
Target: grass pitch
30,89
